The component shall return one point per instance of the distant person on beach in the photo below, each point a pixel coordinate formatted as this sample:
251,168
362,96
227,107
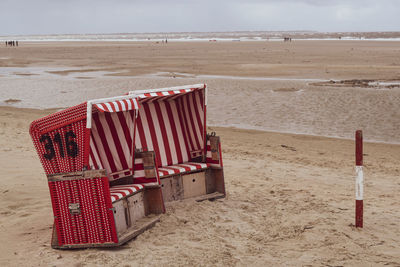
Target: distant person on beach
6,43
16,42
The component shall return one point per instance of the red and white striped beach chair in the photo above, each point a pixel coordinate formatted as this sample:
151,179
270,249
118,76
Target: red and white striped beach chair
112,162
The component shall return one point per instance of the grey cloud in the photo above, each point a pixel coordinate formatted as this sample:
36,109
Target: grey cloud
106,16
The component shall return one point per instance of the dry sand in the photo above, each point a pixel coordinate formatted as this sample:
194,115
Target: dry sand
290,197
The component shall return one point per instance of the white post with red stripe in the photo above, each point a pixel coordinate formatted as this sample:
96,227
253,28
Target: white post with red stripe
359,179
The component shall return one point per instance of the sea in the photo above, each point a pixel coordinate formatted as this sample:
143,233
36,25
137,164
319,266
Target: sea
233,36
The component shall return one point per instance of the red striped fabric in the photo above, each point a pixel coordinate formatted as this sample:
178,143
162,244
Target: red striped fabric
111,137
181,168
117,106
111,142
171,126
121,191
158,95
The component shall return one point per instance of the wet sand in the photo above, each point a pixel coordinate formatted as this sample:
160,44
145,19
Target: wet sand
290,197
302,59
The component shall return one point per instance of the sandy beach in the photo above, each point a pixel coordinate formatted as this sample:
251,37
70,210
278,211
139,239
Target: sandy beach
277,107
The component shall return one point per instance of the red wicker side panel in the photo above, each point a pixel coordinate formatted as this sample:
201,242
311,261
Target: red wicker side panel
93,221
61,150
59,140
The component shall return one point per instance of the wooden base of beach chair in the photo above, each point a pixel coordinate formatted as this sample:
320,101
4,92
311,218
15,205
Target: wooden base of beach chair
194,184
140,226
202,185
212,196
127,212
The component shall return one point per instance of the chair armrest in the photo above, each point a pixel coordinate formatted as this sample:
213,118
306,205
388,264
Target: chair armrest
76,175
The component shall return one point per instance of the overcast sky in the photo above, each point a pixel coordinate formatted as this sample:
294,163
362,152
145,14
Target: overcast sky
115,16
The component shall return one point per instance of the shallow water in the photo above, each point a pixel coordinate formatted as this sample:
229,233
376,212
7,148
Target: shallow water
53,72
227,77
271,104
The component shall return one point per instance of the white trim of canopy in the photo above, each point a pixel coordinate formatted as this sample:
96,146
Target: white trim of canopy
168,91
111,104
117,106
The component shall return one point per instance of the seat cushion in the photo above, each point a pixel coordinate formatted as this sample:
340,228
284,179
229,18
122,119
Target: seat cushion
120,191
181,168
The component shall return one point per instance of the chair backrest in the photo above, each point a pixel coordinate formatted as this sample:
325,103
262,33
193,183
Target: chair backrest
111,142
172,127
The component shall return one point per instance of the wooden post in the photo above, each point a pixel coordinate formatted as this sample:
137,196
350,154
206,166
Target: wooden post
359,179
